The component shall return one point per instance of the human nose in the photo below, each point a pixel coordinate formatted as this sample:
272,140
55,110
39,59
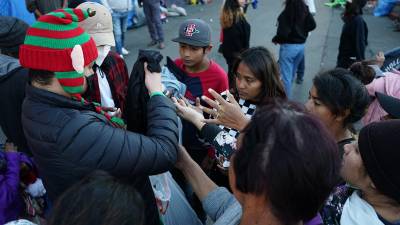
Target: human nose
308,105
239,83
347,148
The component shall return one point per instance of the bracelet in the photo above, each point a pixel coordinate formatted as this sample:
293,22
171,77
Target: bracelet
156,93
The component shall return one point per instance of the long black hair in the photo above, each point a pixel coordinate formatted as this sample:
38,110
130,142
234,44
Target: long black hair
263,65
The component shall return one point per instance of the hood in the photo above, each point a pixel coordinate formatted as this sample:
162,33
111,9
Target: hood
7,64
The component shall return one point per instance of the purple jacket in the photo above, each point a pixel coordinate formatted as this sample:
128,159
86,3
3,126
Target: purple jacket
317,220
10,200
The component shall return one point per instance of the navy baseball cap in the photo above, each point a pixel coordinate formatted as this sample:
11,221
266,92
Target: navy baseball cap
194,32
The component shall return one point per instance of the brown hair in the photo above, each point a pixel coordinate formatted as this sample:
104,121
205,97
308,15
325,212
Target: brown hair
231,13
363,71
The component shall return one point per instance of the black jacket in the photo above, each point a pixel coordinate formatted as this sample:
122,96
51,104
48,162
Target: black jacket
13,79
69,140
290,32
137,93
235,39
353,41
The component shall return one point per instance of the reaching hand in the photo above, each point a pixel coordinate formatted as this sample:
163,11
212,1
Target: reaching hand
226,113
380,58
152,80
10,147
189,112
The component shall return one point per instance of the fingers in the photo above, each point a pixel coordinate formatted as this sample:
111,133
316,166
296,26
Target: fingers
145,68
211,121
210,102
217,96
209,111
198,102
231,98
182,103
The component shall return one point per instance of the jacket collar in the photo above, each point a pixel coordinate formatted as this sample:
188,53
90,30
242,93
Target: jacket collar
53,99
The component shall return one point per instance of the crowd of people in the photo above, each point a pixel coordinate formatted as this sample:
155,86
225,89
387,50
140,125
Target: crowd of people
90,141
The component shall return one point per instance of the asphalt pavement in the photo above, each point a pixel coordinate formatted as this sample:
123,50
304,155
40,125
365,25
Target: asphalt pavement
321,46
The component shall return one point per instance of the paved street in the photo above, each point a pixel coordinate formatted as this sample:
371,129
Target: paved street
321,47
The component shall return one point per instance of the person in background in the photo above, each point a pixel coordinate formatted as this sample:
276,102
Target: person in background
286,165
203,73
257,79
119,11
354,36
378,84
11,203
302,65
152,11
339,100
99,198
371,165
109,83
41,7
13,79
235,34
194,47
294,24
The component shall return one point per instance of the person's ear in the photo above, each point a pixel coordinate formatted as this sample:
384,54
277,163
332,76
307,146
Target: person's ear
208,49
342,116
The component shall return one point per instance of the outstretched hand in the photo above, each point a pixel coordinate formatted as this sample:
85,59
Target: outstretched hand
225,112
380,58
188,112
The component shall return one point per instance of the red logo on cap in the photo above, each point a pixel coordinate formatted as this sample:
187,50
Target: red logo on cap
190,30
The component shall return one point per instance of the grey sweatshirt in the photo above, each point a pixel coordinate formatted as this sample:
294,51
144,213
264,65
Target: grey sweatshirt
222,207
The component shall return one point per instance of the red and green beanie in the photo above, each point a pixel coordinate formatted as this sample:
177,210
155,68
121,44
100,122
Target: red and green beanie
56,43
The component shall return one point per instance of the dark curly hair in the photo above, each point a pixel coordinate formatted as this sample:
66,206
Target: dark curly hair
340,91
288,156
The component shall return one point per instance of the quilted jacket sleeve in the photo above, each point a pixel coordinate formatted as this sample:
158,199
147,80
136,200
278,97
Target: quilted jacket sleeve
95,144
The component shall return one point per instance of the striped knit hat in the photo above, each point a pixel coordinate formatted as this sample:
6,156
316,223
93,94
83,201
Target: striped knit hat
56,43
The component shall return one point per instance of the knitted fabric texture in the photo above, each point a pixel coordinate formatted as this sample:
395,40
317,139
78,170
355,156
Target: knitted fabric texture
50,41
48,46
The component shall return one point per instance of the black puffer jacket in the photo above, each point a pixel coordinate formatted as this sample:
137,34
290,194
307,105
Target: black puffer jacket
69,140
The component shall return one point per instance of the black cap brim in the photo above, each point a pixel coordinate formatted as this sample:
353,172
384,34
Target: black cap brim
190,42
390,104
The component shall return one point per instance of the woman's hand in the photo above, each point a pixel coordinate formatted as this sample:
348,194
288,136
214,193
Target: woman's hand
226,113
189,112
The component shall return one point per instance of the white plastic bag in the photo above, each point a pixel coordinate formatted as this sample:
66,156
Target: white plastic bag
178,211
